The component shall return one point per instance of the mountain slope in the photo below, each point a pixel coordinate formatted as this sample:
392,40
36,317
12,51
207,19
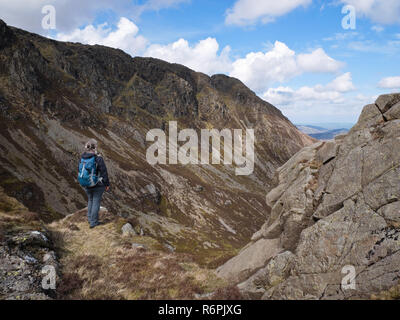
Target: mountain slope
335,209
54,96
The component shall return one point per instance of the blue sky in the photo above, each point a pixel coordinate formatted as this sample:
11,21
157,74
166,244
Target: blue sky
293,53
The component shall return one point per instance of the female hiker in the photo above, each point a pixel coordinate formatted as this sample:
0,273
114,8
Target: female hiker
93,178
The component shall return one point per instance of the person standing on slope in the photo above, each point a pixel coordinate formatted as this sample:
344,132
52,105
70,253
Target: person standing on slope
93,177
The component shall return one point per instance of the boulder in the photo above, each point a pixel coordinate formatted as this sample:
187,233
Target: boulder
276,271
386,101
249,260
127,230
393,113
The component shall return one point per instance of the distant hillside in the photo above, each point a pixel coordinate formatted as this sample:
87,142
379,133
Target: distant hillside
328,135
321,133
309,129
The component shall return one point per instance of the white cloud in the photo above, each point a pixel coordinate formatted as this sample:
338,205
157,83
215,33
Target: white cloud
330,93
332,102
247,12
125,37
390,83
379,11
346,110
318,61
203,56
342,83
258,69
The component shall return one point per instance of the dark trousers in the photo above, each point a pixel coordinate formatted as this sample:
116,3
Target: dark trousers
94,199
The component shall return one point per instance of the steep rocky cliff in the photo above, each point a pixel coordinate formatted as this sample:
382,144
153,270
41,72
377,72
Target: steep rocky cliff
54,96
336,207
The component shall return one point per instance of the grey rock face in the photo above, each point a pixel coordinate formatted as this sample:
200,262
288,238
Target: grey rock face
336,205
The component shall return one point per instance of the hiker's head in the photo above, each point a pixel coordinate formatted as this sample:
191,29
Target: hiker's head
91,146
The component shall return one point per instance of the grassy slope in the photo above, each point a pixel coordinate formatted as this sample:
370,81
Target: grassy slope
100,263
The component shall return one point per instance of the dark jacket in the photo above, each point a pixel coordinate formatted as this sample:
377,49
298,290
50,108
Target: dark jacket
101,168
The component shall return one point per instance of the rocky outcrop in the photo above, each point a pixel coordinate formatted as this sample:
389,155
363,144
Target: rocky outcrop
26,254
336,207
54,96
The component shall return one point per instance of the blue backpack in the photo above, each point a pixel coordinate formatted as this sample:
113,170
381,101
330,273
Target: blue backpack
87,175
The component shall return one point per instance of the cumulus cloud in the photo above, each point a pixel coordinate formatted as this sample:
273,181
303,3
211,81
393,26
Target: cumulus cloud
346,110
379,11
335,101
342,83
204,56
285,95
390,83
318,61
259,69
247,12
125,37
332,92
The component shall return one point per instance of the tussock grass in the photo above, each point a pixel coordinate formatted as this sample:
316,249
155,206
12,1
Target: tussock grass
16,217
